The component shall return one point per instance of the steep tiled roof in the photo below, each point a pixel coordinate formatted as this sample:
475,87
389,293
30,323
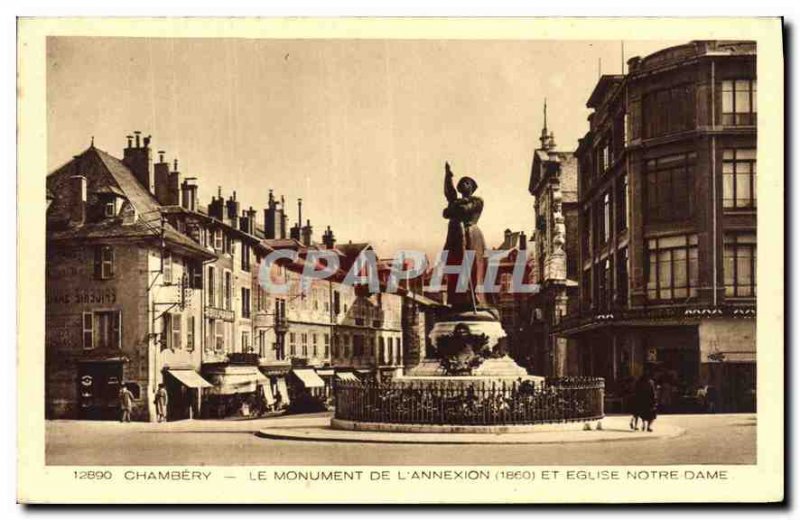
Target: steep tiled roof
107,174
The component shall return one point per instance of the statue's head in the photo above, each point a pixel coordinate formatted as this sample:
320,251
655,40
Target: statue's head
466,186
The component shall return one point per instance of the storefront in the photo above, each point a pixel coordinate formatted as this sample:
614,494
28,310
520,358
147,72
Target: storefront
237,390
99,383
307,390
185,393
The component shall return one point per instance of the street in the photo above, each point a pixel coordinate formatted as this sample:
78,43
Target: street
708,439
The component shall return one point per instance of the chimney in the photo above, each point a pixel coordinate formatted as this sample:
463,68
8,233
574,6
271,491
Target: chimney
523,243
173,189
161,180
294,232
283,217
299,212
77,193
232,207
274,224
216,208
189,193
307,233
328,239
247,222
138,160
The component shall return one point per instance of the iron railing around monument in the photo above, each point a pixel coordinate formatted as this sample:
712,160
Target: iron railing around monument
471,403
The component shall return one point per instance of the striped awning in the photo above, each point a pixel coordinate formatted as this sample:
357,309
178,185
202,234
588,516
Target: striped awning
190,378
347,376
237,380
308,377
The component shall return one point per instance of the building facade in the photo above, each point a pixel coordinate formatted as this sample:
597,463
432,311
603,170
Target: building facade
554,187
667,197
147,287
122,306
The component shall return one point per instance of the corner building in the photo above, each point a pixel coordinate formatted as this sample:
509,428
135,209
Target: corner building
667,198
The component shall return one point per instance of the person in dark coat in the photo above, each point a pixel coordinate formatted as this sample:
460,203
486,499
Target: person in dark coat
644,403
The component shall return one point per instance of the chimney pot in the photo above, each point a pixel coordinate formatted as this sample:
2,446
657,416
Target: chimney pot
130,140
161,156
175,165
138,134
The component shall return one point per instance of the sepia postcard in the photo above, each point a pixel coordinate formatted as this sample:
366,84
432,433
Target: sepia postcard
408,261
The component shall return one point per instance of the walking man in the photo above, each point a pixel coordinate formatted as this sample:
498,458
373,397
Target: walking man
125,403
161,401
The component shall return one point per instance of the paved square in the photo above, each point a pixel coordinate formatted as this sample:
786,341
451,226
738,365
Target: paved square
708,439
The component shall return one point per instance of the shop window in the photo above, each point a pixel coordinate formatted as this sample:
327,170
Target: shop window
739,178
740,264
672,267
668,193
739,102
103,262
101,329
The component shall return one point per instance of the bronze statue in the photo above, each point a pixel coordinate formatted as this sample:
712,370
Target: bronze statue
463,234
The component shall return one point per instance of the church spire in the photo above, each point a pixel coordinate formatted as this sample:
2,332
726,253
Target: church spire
545,138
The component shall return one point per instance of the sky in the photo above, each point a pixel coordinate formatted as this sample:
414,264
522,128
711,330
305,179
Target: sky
359,129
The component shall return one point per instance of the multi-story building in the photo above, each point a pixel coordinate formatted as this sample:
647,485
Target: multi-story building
146,287
122,303
515,308
667,194
554,186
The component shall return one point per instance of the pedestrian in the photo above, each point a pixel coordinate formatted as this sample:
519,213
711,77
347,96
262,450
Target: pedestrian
125,403
161,401
644,403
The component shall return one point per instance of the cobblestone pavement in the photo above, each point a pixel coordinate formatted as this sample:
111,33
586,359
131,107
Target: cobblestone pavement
708,439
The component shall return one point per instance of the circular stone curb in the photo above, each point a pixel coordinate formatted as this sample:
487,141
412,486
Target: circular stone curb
614,429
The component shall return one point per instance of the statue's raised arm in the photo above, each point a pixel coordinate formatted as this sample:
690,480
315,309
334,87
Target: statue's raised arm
449,189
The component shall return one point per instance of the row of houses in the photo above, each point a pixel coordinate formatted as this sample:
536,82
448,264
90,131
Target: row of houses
145,288
645,236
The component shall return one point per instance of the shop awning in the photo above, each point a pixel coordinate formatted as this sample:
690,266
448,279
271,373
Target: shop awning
325,372
266,391
283,390
190,378
309,378
236,380
347,376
